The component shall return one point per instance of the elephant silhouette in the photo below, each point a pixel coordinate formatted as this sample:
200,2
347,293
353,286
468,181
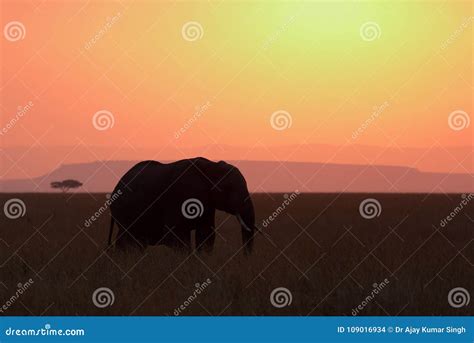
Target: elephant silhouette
161,203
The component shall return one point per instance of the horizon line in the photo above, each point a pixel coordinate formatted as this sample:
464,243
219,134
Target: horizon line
244,146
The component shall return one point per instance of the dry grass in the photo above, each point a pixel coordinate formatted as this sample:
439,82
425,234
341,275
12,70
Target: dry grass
328,270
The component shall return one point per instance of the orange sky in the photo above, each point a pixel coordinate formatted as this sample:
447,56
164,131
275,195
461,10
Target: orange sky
187,74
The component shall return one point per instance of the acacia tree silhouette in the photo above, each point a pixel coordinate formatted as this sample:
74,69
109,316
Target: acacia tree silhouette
66,185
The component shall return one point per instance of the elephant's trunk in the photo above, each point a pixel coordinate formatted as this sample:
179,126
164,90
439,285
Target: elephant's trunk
246,218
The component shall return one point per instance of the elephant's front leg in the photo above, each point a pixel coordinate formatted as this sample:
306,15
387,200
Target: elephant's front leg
205,234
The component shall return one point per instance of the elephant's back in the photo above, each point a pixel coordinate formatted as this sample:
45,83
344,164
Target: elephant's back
138,185
141,175
150,183
141,167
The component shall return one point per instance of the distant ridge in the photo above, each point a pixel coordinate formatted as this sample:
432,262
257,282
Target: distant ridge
269,176
32,161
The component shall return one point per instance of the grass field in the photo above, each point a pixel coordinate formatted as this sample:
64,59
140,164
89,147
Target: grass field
320,248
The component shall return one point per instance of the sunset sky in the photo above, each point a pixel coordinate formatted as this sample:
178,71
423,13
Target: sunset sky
215,72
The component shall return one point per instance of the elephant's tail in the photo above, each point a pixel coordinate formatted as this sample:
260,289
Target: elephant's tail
112,222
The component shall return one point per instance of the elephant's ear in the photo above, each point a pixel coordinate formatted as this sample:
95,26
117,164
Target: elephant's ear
220,172
214,172
220,176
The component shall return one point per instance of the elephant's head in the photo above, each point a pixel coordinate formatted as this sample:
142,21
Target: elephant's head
230,194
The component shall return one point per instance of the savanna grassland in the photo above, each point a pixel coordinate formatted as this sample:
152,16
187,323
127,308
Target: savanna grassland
319,247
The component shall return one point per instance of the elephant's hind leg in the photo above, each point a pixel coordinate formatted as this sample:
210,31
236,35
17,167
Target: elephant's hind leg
127,243
180,240
205,238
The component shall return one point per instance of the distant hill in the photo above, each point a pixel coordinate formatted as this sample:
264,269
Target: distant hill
266,176
32,161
